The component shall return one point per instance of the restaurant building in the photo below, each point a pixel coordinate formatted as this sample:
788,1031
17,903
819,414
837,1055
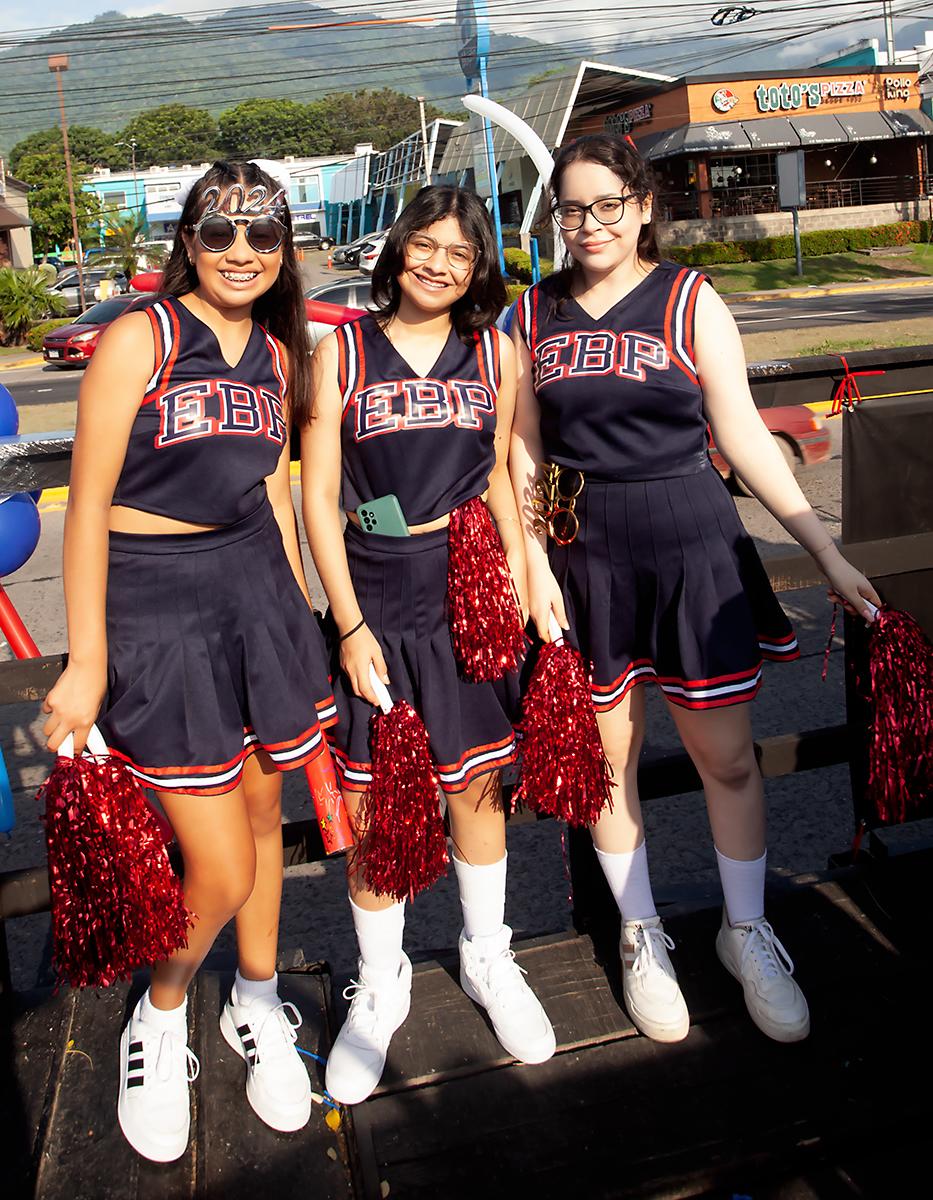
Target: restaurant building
713,142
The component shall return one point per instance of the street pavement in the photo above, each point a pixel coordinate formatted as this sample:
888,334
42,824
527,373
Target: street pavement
850,308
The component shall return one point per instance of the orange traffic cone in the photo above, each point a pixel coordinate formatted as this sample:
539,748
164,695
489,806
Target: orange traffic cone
330,262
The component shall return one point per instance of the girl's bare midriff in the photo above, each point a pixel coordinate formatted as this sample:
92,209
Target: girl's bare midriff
134,520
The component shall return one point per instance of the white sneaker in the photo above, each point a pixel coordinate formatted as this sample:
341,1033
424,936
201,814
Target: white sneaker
153,1108
649,982
753,954
358,1055
263,1033
491,977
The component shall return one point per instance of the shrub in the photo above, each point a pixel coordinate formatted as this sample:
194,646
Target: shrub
518,264
37,333
24,299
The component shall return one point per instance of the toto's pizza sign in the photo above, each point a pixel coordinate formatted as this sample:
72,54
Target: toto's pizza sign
806,93
723,100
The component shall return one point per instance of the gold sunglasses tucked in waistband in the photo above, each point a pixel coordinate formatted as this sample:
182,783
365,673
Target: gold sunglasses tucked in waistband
554,498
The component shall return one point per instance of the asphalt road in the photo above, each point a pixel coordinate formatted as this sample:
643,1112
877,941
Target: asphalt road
856,308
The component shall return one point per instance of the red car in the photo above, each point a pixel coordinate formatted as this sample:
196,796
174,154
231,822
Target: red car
801,435
72,345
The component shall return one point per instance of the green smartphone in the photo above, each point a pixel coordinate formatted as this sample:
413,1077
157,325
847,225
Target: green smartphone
383,516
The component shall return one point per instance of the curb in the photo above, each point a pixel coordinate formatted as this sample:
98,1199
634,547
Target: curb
841,289
54,499
36,361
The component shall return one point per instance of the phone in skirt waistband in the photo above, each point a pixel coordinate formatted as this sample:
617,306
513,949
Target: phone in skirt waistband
383,516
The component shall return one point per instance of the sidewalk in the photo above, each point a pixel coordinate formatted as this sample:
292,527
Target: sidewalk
831,289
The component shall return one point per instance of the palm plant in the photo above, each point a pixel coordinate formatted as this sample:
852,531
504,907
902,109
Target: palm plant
24,299
123,238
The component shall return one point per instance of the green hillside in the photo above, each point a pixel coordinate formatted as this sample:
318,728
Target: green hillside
120,65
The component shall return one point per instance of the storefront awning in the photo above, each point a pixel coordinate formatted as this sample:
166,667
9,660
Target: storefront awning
909,122
10,219
821,129
771,133
866,127
698,139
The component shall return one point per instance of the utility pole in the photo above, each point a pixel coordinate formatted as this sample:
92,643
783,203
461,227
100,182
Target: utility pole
58,63
890,52
424,141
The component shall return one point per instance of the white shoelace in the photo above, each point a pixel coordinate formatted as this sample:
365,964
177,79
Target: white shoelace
165,1059
763,947
646,950
363,1017
277,1032
505,976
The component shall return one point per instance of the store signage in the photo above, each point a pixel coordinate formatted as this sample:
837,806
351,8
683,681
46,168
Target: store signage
622,122
897,89
807,94
724,100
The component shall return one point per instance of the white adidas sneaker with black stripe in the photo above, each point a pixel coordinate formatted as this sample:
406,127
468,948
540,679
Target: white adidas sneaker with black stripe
153,1108
263,1033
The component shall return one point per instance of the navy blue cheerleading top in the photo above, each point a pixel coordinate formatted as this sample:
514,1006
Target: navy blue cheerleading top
429,440
206,434
619,394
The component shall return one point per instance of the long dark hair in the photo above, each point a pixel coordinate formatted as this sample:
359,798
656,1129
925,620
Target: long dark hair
281,309
624,161
482,302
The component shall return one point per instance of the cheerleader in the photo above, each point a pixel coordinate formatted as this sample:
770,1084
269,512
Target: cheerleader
413,404
623,361
192,639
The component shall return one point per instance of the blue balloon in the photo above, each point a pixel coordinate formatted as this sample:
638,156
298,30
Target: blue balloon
19,532
35,495
7,811
9,417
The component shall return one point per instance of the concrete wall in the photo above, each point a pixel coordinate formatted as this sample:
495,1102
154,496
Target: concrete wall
739,229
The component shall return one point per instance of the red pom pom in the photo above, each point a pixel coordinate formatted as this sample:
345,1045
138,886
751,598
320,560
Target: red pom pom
564,770
116,903
482,607
901,747
403,846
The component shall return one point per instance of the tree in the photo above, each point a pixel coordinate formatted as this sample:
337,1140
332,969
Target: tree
48,201
87,145
383,117
24,299
172,134
267,128
123,238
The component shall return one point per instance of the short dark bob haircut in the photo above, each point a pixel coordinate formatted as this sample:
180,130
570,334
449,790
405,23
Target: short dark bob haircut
280,310
485,298
635,178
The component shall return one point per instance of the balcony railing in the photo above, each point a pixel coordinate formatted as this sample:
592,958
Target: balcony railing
833,193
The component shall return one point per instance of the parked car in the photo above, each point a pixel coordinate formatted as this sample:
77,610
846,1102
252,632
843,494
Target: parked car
330,304
309,237
370,251
801,436
72,345
67,286
349,255
52,259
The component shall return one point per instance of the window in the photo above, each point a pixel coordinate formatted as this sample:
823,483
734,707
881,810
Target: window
308,188
114,200
745,170
161,191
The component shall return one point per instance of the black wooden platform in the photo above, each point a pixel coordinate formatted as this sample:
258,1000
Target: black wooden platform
725,1113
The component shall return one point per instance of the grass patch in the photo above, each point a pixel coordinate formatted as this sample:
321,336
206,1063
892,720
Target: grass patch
849,267
843,345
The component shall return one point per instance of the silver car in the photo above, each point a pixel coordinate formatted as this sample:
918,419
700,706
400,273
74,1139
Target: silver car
67,286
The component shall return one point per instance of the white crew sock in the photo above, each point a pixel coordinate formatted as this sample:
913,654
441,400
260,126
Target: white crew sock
482,896
379,935
629,882
743,887
248,990
172,1020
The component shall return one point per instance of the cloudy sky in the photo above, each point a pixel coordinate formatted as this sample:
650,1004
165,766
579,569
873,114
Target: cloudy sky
654,21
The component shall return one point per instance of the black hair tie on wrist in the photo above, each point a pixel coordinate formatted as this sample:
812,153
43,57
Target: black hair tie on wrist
350,632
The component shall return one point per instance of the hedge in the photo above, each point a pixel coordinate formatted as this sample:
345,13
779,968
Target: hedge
37,333
812,244
518,264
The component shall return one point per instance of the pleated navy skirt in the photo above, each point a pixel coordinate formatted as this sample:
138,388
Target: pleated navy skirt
213,653
663,584
401,586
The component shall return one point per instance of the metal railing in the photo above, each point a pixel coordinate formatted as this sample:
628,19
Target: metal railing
824,193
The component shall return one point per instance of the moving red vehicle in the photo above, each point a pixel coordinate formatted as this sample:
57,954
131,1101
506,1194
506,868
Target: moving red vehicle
801,435
72,345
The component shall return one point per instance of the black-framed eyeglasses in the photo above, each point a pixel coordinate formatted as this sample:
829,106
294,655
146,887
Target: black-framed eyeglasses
421,246
608,211
217,232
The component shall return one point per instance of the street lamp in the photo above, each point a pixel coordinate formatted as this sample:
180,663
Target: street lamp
58,63
131,146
